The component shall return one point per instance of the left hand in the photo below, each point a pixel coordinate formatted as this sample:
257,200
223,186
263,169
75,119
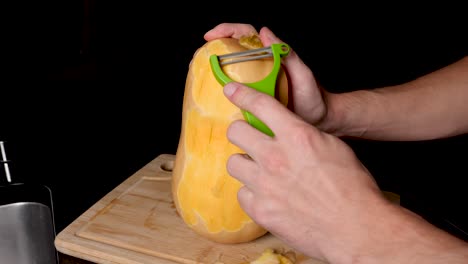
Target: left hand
308,98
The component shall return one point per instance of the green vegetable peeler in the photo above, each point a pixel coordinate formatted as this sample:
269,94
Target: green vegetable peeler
267,85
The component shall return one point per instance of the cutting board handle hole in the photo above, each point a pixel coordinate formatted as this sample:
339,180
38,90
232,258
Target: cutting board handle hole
167,166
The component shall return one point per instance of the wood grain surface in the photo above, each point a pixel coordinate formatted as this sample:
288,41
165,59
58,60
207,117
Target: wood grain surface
137,223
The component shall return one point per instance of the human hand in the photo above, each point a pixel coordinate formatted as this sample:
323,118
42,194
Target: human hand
303,185
307,97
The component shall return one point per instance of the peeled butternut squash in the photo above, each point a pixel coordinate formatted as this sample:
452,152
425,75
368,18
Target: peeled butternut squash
205,195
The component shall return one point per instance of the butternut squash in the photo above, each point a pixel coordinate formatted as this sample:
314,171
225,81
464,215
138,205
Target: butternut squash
204,194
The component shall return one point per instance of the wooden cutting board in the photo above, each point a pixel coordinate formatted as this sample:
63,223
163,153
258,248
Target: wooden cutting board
137,223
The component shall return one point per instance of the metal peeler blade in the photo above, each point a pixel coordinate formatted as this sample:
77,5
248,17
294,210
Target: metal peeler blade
248,55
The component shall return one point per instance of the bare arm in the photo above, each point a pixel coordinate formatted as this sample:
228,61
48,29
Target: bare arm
345,219
400,236
432,106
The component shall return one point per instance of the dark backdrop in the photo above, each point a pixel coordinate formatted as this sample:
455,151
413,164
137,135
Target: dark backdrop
92,90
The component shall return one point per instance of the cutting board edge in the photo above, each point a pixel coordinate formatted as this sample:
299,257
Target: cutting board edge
63,239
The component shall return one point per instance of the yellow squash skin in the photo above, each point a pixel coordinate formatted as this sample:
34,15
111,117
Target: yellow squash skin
205,195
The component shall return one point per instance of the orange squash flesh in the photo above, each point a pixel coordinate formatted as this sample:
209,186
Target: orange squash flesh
205,195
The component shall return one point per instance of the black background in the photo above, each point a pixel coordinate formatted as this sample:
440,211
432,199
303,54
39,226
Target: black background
92,90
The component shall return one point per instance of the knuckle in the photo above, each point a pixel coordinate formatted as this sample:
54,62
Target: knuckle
257,102
275,161
302,135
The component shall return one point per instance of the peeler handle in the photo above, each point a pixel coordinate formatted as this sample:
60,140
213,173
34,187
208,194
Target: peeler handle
267,85
257,123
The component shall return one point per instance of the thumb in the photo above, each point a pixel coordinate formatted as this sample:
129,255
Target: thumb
265,107
268,37
305,92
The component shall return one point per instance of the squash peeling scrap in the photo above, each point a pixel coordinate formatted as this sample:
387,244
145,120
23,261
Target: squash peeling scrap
205,195
269,256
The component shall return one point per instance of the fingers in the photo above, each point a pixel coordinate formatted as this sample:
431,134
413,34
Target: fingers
230,30
266,108
236,30
305,89
268,37
246,137
243,168
298,72
245,196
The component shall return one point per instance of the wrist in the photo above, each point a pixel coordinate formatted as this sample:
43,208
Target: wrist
334,119
348,113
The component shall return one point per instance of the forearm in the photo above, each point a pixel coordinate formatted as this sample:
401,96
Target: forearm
432,106
404,237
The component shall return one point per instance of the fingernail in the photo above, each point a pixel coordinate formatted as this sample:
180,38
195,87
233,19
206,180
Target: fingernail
230,88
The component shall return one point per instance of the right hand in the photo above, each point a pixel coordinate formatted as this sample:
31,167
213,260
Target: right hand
307,95
304,186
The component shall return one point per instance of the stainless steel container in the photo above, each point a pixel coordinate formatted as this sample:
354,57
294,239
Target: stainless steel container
27,229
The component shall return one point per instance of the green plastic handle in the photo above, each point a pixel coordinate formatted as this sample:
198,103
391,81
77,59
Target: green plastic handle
267,85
